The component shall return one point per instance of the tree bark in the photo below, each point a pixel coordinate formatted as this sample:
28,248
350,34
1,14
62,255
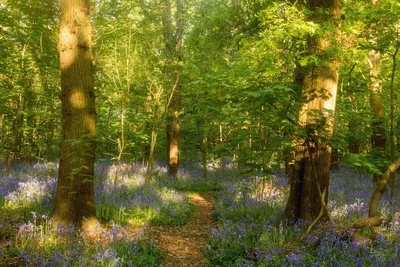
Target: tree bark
298,80
335,160
378,121
310,175
202,139
173,70
354,140
380,188
74,200
392,126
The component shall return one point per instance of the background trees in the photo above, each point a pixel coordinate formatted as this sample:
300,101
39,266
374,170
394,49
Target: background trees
29,83
240,65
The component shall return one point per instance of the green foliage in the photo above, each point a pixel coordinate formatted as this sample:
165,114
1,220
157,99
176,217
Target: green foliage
365,163
240,100
141,253
238,67
174,214
171,214
40,242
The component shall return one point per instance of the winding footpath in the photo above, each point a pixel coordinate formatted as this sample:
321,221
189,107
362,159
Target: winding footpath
182,245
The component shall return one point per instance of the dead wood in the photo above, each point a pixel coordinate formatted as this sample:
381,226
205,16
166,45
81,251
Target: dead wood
17,261
368,222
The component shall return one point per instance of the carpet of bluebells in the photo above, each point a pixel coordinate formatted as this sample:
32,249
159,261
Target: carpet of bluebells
125,208
248,211
251,219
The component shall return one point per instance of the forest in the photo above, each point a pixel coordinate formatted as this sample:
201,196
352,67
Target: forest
199,133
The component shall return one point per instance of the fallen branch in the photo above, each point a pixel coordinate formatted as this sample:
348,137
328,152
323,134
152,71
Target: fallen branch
11,262
380,188
368,222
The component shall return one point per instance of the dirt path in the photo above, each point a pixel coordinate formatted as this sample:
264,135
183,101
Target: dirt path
182,244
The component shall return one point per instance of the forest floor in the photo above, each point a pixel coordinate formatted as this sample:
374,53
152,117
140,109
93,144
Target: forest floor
182,245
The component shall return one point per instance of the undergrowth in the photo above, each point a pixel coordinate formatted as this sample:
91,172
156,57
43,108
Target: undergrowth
125,210
251,232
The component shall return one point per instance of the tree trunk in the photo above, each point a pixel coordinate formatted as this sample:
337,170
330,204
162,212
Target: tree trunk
173,70
380,188
150,160
298,80
378,121
74,200
354,140
335,159
310,175
392,126
202,139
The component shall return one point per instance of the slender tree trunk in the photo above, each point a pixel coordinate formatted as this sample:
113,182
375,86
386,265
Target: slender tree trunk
173,69
202,139
354,141
156,98
18,129
150,160
334,160
312,153
392,141
74,200
378,121
120,144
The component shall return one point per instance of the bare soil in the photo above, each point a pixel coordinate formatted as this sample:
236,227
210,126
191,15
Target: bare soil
182,245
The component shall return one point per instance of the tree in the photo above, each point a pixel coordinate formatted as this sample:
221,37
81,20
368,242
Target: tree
28,89
74,200
173,71
375,88
310,177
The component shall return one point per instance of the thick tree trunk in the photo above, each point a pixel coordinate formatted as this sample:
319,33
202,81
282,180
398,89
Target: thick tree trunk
310,177
74,200
298,79
173,69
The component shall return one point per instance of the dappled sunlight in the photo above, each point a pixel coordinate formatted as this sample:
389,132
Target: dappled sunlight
251,228
330,103
125,212
90,124
248,210
66,39
77,248
25,193
350,194
198,198
77,100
